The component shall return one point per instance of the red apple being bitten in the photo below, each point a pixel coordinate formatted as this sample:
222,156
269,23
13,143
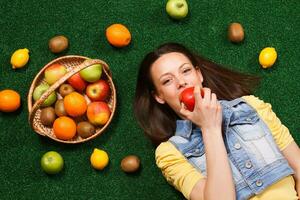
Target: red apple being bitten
98,113
98,91
188,98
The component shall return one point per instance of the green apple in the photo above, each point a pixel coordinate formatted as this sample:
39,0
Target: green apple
91,73
54,73
40,90
52,162
177,9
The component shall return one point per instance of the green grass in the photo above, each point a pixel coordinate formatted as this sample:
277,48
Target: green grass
31,24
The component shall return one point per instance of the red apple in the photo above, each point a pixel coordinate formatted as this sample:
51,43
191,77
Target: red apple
98,91
98,113
77,82
54,73
187,97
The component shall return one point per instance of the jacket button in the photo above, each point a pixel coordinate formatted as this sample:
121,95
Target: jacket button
237,145
197,151
248,119
248,164
258,183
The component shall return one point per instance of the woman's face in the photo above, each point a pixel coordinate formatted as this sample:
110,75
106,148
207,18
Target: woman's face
171,74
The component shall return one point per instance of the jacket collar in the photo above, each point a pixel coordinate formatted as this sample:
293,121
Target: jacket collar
184,128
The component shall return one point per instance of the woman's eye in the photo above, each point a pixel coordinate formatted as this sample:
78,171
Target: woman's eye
186,70
166,81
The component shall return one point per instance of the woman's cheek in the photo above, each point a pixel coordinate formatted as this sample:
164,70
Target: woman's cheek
174,103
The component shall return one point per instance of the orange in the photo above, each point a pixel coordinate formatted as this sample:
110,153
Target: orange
64,128
99,159
75,104
10,100
118,35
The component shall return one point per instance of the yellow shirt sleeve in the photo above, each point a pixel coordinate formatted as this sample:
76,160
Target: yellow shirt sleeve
281,133
176,169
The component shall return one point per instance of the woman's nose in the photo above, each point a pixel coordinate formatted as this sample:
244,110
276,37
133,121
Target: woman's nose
181,82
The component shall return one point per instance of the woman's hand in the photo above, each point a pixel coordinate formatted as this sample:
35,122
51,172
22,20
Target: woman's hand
207,112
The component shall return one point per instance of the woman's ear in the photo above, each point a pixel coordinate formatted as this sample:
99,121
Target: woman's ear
199,73
158,98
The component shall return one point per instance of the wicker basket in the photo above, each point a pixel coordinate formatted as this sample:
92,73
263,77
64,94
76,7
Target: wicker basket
73,64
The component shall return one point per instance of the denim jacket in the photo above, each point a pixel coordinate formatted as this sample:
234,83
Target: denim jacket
256,161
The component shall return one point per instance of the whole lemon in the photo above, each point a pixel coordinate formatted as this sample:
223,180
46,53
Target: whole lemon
19,58
267,57
99,159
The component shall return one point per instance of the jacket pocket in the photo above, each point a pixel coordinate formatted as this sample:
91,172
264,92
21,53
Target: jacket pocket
194,148
197,152
248,127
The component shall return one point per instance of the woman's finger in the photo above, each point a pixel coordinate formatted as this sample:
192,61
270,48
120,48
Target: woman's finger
197,94
183,111
213,99
207,95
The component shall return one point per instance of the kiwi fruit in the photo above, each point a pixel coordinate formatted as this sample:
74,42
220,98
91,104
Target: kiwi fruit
236,32
65,89
59,108
130,164
85,129
58,44
47,116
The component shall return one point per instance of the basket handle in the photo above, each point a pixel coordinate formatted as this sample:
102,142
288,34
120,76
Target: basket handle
53,87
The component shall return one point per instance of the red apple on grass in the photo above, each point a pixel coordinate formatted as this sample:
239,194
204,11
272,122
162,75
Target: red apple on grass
77,82
98,91
98,113
54,73
187,97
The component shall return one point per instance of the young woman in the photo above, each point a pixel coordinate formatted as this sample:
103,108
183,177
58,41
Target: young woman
231,146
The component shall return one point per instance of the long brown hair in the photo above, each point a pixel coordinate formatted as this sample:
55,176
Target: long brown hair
159,120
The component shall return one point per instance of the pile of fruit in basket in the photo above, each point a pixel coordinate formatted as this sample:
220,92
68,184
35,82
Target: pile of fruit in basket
78,106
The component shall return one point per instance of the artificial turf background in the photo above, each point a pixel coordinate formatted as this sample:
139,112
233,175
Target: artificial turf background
32,23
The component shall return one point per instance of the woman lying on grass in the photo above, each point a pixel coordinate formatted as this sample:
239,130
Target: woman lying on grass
231,146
